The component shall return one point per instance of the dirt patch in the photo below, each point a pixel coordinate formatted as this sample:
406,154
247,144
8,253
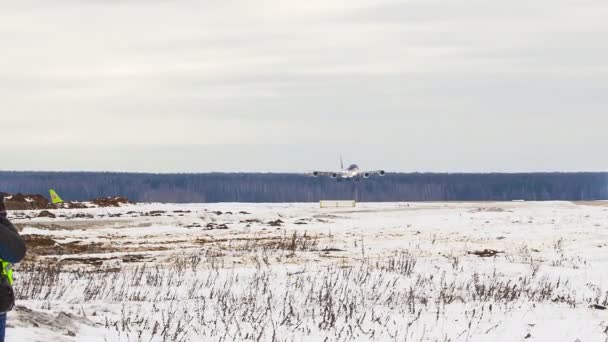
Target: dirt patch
155,213
26,202
212,226
44,245
276,223
75,205
71,205
251,221
111,201
86,261
486,253
38,202
36,243
332,250
46,213
83,216
78,247
133,258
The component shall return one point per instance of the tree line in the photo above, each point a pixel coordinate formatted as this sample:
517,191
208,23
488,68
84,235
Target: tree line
283,187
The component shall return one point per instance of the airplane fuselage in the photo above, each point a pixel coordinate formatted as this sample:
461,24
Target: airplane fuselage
353,172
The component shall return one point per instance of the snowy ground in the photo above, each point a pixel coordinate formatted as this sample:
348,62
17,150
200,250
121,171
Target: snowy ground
294,272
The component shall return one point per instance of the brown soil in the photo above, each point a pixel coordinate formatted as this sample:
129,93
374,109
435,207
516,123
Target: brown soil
276,223
44,245
111,201
251,221
39,202
133,258
75,205
46,213
86,261
212,226
27,202
486,253
35,241
83,216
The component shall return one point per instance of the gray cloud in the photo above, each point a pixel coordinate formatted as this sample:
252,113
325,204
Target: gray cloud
417,85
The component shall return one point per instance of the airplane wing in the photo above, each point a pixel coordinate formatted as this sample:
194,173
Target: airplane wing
332,174
367,174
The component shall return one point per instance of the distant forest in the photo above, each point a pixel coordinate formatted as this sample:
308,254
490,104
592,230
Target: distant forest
277,187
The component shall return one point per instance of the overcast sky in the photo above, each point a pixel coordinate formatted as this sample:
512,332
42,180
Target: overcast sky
419,85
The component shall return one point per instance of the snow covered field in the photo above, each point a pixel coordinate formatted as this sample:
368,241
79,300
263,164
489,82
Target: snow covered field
516,271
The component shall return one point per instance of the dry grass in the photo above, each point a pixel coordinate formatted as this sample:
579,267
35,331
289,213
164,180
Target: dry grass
196,296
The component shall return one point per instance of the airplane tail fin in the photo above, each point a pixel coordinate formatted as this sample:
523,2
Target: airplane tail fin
55,199
341,164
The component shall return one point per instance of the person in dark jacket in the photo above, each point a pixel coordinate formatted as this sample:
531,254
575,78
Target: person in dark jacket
12,251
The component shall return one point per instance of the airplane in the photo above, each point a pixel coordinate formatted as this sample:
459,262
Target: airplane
350,173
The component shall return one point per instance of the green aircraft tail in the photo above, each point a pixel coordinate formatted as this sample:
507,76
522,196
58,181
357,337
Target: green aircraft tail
55,199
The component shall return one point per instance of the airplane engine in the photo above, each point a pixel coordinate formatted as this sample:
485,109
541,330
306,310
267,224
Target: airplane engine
367,175
315,174
382,173
334,175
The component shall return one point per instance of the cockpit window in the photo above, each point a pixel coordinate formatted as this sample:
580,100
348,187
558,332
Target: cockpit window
353,167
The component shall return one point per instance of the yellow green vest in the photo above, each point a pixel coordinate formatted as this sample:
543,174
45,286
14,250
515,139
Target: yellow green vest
7,270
